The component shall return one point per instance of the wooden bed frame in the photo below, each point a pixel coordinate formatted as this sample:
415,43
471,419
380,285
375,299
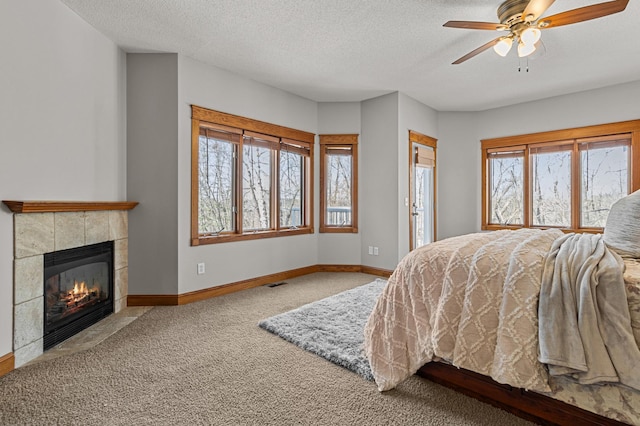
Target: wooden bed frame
527,405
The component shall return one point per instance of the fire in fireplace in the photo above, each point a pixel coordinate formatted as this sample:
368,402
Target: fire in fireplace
78,290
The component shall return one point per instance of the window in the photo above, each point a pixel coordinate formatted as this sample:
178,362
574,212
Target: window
506,180
292,165
217,151
604,178
249,179
549,180
258,153
551,185
338,183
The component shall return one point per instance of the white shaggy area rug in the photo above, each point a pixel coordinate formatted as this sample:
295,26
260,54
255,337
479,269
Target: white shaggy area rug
332,327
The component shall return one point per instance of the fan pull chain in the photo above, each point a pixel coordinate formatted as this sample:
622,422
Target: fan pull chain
520,65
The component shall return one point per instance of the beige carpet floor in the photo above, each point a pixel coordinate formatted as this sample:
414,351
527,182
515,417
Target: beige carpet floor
208,363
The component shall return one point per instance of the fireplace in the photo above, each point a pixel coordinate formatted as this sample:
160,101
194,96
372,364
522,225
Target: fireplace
78,290
41,227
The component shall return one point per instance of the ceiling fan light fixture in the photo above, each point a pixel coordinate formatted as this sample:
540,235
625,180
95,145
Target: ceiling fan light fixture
530,36
525,49
524,20
503,46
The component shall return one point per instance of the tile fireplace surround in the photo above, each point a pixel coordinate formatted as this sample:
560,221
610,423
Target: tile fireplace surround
43,227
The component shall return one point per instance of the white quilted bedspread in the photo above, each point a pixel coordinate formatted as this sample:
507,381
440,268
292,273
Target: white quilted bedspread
470,300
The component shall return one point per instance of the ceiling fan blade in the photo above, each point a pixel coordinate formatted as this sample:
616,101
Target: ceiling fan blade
536,8
583,14
472,25
477,51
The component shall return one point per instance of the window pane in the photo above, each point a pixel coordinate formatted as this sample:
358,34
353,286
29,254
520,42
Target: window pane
338,184
551,203
215,185
256,188
506,171
291,179
604,180
423,206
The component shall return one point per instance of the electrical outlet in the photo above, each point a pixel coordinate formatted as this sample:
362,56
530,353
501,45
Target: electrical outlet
201,268
375,251
371,250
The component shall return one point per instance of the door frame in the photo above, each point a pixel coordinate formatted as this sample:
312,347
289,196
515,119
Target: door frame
428,141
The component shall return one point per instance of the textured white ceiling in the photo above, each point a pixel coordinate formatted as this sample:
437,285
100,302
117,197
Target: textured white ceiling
346,50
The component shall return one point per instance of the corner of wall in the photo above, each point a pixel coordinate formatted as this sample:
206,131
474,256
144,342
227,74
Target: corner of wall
152,172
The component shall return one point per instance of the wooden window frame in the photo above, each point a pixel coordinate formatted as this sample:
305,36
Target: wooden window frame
574,136
419,138
347,141
275,136
514,152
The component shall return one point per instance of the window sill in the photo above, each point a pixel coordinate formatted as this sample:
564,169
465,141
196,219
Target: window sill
227,238
338,230
565,230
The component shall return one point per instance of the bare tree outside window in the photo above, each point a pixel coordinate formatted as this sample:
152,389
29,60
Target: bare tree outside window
215,190
507,188
249,179
338,184
567,178
604,180
551,200
256,188
291,181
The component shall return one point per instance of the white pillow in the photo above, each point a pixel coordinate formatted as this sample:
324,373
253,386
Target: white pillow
622,231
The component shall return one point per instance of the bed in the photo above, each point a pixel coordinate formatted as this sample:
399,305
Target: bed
540,322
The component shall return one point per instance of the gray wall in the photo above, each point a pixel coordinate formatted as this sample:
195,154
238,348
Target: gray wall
379,175
62,119
339,118
384,174
213,88
412,115
459,173
607,105
152,170
162,88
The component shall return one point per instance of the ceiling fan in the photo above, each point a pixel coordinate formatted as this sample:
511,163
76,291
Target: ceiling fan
523,20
